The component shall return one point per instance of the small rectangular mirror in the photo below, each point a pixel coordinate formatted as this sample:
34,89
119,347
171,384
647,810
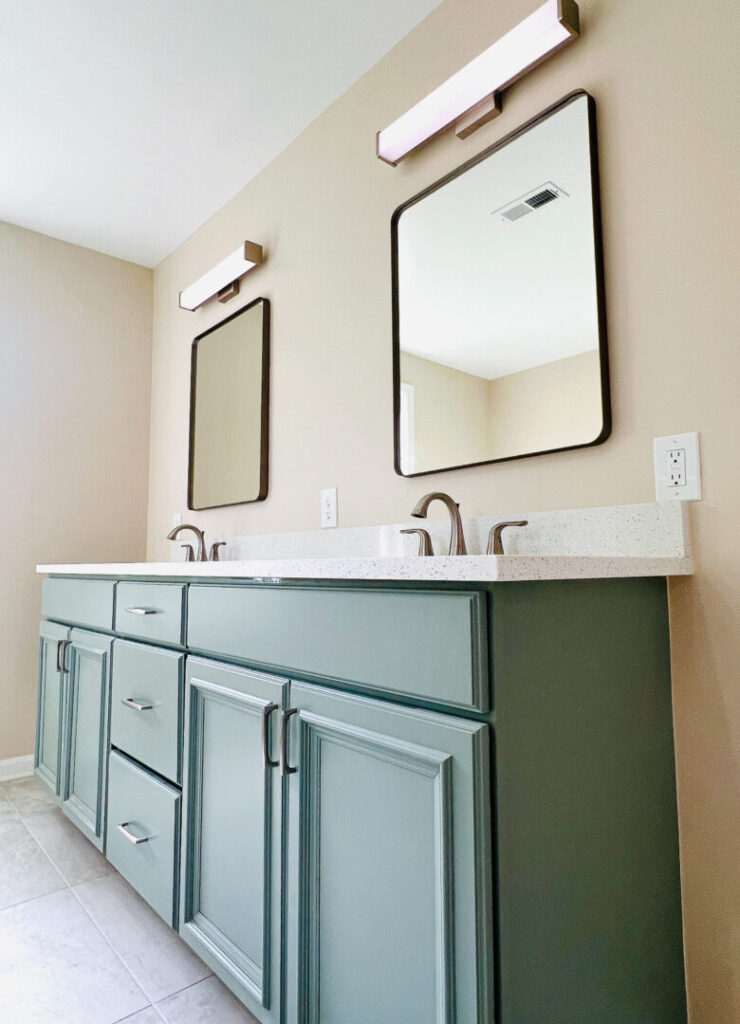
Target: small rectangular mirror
499,340
229,394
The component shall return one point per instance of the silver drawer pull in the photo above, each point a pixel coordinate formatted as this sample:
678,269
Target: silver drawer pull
137,705
141,611
123,829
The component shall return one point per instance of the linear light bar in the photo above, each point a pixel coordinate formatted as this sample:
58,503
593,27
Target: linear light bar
550,27
222,276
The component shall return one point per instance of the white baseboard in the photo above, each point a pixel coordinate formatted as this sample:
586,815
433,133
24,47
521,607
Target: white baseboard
16,768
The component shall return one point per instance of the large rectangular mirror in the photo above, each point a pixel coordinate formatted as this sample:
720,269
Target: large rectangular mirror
229,393
498,302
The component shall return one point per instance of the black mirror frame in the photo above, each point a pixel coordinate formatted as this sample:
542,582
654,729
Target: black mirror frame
264,399
599,277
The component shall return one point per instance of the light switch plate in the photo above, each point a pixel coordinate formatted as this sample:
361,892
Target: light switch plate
677,467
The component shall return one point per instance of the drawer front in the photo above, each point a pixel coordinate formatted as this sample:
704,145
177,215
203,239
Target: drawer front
146,809
146,708
82,602
151,611
412,643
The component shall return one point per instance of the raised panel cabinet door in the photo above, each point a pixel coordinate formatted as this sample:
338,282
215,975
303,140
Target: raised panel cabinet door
86,733
230,900
50,709
389,873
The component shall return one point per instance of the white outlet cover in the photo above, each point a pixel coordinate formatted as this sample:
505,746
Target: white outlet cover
665,490
328,508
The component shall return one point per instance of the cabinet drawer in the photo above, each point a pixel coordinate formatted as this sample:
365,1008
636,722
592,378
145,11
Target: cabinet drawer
82,602
152,611
142,807
146,709
413,643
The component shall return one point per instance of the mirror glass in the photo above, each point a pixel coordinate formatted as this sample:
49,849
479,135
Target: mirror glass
499,341
229,410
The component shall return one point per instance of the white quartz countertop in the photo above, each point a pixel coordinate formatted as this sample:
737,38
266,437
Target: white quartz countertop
469,568
597,543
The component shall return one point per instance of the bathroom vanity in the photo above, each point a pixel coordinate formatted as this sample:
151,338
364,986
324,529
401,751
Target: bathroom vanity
368,800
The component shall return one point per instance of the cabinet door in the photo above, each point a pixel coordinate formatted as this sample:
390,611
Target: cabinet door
389,872
50,710
231,868
86,733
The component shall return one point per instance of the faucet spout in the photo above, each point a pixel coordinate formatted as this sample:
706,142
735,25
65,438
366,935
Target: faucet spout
174,534
457,537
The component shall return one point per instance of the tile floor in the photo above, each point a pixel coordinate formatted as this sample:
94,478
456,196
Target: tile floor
77,945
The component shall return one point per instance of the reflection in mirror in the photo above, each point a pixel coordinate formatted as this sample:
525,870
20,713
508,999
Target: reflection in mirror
499,341
229,410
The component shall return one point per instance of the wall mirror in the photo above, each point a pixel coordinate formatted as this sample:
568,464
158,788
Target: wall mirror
229,393
498,302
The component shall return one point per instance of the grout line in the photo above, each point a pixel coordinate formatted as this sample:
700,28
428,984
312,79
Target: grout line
97,928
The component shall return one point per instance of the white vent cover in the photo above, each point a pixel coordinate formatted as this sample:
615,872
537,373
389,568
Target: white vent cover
533,200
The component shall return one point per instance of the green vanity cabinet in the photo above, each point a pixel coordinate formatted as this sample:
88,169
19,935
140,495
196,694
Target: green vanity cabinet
86,733
389,874
420,803
50,709
231,890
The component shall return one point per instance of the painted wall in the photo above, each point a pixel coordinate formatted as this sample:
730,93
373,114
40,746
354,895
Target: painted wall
75,367
549,406
450,413
663,80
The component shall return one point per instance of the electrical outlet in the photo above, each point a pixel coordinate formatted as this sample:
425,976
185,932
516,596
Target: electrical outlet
677,467
328,507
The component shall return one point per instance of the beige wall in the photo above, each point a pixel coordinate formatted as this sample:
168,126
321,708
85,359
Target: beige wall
555,405
75,364
450,413
662,76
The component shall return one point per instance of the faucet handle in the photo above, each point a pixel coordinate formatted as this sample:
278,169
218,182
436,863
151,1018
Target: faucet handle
214,550
189,553
495,544
425,541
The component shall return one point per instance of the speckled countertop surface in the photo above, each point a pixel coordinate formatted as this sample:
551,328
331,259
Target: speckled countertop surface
618,541
442,568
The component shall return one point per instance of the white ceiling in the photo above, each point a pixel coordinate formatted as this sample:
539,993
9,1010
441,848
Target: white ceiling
124,124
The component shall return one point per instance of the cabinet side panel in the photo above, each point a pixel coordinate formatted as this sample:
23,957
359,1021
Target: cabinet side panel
589,896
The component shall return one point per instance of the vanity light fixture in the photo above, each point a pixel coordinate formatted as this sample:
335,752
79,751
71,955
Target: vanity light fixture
472,96
223,279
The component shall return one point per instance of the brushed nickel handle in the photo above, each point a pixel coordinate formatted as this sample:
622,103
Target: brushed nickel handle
285,768
495,543
267,710
425,542
66,644
214,550
142,611
123,829
60,644
137,705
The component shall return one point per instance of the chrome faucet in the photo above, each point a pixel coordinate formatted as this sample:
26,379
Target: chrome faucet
457,538
174,534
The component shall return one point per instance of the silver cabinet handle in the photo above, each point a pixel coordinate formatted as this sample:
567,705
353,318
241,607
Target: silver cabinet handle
285,768
267,710
60,645
66,644
137,705
141,611
123,829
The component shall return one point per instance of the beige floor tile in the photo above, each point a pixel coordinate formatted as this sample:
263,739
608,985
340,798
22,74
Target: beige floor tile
73,855
29,796
208,1002
55,966
155,954
25,870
